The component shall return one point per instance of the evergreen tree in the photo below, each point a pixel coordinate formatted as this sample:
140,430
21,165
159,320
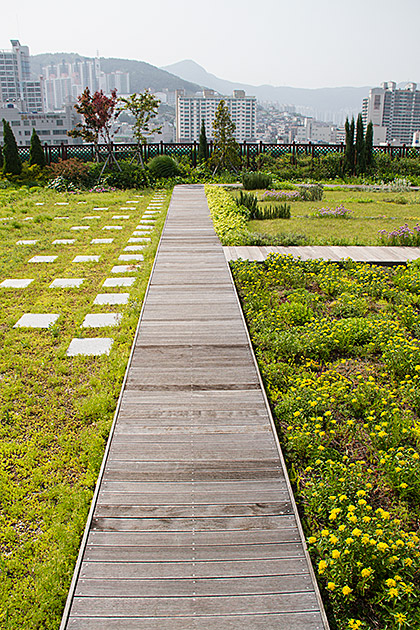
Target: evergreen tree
349,152
360,161
37,155
12,161
203,150
226,149
1,158
369,145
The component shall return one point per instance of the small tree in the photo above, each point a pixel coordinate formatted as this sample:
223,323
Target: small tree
144,108
369,145
349,152
99,113
203,149
36,153
360,160
12,162
226,149
1,158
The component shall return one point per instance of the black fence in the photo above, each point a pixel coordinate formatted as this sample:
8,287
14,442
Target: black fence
250,151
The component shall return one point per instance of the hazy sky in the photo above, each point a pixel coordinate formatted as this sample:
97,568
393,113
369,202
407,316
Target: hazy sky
301,43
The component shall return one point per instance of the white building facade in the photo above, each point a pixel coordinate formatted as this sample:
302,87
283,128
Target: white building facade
395,113
16,85
191,110
51,127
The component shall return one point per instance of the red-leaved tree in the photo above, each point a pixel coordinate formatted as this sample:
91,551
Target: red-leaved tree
98,113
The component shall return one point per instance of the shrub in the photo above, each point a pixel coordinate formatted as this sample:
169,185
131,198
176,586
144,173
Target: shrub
256,181
163,166
72,171
311,192
130,176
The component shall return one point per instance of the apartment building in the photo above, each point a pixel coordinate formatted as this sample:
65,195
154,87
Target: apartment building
395,113
191,110
16,85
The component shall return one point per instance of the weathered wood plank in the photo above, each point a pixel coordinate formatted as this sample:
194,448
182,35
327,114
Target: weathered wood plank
285,621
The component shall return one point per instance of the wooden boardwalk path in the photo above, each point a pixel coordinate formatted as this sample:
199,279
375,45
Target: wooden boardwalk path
193,525
368,254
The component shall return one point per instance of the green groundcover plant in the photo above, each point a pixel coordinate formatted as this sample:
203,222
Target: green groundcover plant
339,350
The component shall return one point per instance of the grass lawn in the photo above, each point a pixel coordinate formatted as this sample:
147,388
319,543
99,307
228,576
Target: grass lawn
371,212
56,410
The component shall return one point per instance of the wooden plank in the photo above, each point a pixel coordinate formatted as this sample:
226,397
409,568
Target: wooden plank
187,586
285,621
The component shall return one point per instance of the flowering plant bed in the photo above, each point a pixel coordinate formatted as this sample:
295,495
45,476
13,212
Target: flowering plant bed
339,351
402,235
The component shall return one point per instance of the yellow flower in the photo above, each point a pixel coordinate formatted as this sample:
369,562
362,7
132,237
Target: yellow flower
367,572
322,566
382,546
408,562
393,592
356,532
331,586
335,553
349,541
346,590
390,582
333,539
400,618
325,533
311,540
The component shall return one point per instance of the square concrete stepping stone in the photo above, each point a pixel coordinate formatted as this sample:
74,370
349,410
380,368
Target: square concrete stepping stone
101,320
120,216
134,248
82,259
131,201
94,346
62,203
39,203
145,228
64,241
112,227
36,320
91,217
140,233
112,298
98,208
80,227
28,219
126,208
42,259
26,242
138,240
101,241
61,218
80,202
66,283
128,257
119,282
16,283
124,268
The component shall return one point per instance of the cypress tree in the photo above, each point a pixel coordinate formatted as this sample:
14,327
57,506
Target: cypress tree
1,158
203,150
360,160
37,155
369,145
349,153
12,161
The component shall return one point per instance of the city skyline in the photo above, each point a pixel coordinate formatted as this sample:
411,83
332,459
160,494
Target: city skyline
331,43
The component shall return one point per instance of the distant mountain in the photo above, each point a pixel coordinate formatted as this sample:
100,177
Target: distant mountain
142,75
326,100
